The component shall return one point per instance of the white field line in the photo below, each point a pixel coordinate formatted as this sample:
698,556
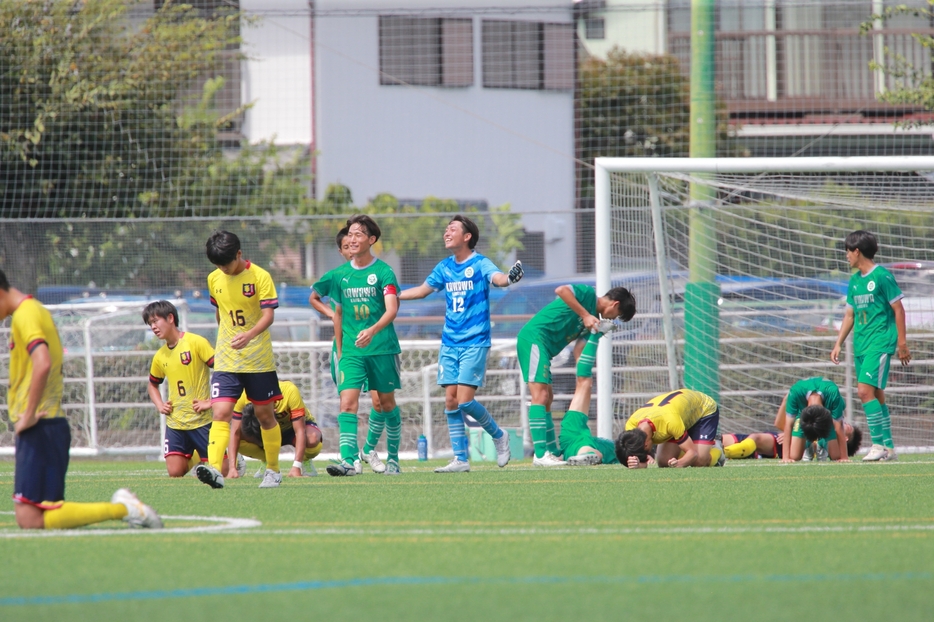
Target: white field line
221,524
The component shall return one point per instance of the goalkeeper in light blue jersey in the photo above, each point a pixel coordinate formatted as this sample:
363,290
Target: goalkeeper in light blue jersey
465,277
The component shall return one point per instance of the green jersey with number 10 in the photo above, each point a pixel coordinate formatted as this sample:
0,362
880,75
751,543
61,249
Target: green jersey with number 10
871,296
361,292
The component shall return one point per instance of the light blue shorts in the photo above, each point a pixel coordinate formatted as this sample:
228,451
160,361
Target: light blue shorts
462,365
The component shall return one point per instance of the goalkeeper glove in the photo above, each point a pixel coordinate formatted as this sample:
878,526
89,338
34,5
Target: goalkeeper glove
515,273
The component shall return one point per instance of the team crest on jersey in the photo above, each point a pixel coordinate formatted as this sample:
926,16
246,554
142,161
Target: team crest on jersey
871,286
468,272
186,357
371,280
249,290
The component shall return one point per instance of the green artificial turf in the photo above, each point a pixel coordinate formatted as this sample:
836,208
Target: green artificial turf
753,540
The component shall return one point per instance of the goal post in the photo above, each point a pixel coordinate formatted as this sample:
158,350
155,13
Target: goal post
780,271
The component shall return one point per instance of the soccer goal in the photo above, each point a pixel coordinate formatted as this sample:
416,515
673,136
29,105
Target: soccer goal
751,280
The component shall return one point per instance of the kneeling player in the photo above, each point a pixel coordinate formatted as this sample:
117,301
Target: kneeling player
683,424
804,394
771,445
246,436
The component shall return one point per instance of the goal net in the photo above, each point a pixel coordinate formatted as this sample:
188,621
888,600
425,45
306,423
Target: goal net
773,250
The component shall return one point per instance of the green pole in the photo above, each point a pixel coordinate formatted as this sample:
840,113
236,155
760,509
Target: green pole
701,313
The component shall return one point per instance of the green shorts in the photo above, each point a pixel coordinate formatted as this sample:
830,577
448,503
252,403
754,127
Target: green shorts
378,372
797,433
872,368
575,434
335,366
534,362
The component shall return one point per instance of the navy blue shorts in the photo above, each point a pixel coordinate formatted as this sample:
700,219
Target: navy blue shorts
704,431
184,442
261,387
41,463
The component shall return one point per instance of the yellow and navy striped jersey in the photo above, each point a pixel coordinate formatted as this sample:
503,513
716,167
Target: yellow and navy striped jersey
672,414
186,365
288,409
240,300
32,327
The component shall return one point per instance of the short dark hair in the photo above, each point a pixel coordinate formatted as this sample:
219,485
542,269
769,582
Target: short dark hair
160,308
854,441
339,238
863,241
627,302
631,443
222,247
372,229
816,422
469,227
4,283
249,426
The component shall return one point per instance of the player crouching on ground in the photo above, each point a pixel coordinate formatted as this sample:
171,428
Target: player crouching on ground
683,424
246,436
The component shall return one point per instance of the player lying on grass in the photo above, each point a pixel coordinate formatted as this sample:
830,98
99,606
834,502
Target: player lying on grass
43,436
875,313
246,436
681,424
737,446
466,278
245,300
573,314
329,282
366,301
185,360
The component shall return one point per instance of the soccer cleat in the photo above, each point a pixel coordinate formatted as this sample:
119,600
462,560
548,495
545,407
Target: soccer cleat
588,459
342,469
209,475
548,460
890,456
261,471
308,469
373,460
502,450
604,327
808,454
719,445
876,453
138,513
392,468
454,466
823,455
272,479
241,465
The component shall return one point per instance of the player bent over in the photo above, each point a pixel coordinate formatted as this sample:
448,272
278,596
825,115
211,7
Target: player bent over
811,393
465,277
572,315
320,290
875,313
298,426
185,360
681,423
365,304
43,436
245,300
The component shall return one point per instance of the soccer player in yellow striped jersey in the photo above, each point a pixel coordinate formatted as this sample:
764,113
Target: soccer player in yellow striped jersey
185,361
298,426
245,298
681,422
43,436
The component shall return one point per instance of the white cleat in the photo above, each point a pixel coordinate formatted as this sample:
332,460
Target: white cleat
373,460
261,471
209,475
548,460
890,456
342,469
392,468
876,453
604,327
454,466
139,515
308,469
503,454
272,479
588,459
241,465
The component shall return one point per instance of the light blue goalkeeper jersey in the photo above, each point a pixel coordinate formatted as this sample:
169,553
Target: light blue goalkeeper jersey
467,290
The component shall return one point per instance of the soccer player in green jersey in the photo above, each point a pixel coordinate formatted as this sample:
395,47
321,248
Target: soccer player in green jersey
875,314
366,300
319,291
549,331
812,395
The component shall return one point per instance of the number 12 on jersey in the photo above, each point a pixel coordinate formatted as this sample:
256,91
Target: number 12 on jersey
457,304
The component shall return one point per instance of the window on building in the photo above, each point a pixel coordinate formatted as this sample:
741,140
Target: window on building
425,51
594,28
528,55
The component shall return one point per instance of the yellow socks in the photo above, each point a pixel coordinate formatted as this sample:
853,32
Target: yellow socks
715,454
250,450
218,438
194,461
742,449
80,514
272,443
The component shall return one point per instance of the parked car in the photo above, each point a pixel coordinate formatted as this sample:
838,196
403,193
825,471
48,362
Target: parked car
779,305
